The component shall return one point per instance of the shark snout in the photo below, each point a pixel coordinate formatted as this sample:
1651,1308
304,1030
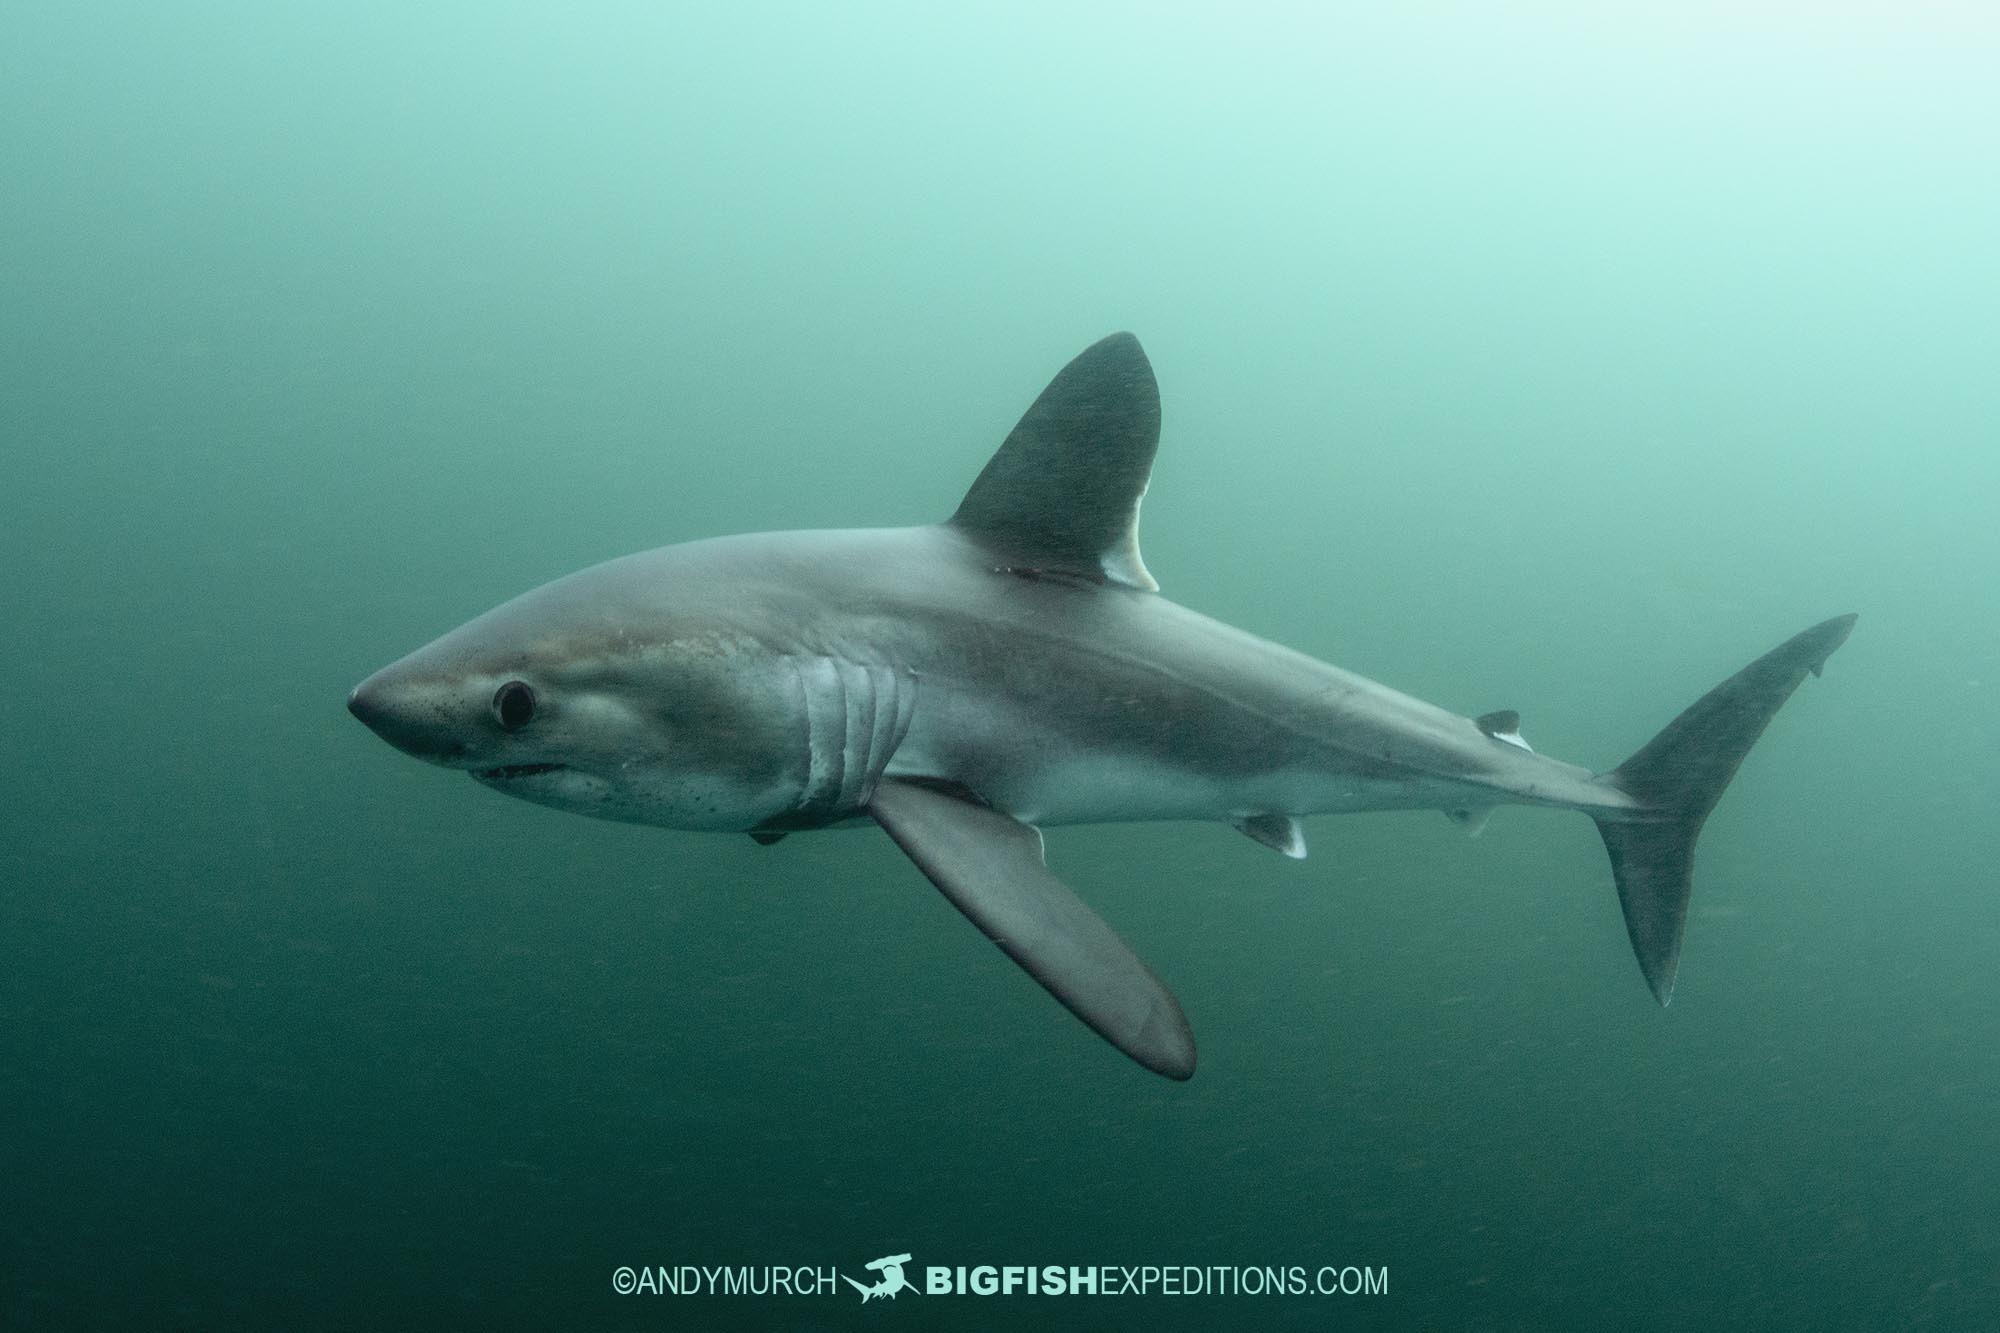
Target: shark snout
406,715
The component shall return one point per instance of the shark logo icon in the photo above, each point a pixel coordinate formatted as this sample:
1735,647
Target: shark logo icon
890,1266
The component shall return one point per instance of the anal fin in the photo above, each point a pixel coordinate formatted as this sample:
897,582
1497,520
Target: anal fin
1281,833
1472,821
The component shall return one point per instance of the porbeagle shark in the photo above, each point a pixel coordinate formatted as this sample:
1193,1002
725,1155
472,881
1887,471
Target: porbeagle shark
966,683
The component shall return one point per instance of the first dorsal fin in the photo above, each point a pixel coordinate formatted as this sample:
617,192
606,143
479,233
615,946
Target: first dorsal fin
1062,494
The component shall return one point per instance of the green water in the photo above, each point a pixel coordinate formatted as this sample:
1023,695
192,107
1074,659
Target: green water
1552,359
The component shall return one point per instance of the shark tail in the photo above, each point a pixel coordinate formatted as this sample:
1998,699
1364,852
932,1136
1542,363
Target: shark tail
1677,779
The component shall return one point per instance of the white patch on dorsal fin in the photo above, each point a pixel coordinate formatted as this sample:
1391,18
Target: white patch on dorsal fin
1062,494
1505,726
1281,833
1472,821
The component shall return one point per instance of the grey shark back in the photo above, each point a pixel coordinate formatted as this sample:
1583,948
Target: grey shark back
964,683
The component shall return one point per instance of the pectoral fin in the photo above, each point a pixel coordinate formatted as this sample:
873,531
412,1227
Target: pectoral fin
990,866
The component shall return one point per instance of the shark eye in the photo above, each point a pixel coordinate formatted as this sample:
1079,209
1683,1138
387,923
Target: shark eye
513,705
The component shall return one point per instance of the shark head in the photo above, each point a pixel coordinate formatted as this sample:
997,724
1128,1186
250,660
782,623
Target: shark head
597,695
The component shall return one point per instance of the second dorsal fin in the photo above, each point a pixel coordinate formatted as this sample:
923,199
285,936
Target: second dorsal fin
1504,725
1062,494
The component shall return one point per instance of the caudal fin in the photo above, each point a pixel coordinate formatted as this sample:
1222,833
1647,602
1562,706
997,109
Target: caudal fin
1677,779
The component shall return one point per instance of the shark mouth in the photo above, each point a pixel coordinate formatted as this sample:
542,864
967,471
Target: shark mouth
506,771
